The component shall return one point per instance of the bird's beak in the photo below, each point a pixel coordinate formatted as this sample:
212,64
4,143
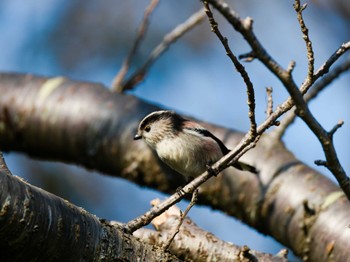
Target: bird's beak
137,137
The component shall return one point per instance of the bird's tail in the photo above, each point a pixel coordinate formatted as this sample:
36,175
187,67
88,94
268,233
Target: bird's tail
245,167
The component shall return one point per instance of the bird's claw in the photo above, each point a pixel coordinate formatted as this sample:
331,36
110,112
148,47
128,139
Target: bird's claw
180,191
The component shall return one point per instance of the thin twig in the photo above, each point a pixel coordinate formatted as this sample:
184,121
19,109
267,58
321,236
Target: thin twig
335,128
245,28
310,53
312,94
296,95
269,107
239,67
333,164
170,38
290,68
182,218
327,79
117,82
335,56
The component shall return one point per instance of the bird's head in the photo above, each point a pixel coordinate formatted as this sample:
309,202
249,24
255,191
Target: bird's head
159,125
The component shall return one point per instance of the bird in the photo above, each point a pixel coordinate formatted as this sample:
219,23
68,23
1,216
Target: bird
184,145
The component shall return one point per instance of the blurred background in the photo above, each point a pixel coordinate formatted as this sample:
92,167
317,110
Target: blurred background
88,40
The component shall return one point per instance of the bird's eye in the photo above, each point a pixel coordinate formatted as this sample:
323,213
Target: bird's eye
148,128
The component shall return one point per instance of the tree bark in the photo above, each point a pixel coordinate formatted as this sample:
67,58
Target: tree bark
86,124
38,226
195,244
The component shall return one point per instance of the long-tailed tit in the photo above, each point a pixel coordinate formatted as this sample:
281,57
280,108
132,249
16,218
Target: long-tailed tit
184,145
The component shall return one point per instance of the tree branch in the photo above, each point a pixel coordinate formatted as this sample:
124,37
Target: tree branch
117,82
302,109
193,243
333,164
324,69
318,87
245,28
168,39
310,52
239,67
38,226
101,138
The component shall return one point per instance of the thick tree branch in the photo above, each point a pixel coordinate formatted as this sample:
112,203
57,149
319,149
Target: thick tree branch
38,226
88,125
193,243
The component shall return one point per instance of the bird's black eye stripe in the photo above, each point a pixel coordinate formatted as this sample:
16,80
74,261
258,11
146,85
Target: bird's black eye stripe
147,128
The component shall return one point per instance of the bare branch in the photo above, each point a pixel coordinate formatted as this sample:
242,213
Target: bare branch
290,68
246,30
239,67
335,56
117,82
313,92
193,240
310,53
302,110
327,79
168,39
259,52
285,76
33,220
269,107
335,128
182,218
321,163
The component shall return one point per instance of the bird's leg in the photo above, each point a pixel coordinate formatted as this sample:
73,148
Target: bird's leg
179,190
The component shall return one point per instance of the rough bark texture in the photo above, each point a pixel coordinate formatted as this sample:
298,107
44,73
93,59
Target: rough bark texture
192,243
88,125
38,226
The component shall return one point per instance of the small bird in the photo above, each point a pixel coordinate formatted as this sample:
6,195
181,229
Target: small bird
182,144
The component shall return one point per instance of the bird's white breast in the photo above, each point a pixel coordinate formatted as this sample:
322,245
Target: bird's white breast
189,154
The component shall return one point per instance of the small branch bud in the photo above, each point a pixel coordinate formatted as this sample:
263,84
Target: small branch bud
335,128
321,163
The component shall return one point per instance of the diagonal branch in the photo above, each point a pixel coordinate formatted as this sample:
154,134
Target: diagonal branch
33,220
188,245
334,57
333,164
168,40
239,67
313,92
245,28
117,82
310,53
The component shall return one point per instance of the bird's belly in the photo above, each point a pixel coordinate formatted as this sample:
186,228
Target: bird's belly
186,160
